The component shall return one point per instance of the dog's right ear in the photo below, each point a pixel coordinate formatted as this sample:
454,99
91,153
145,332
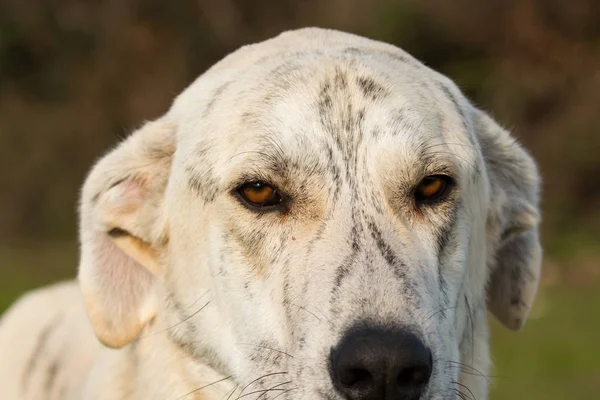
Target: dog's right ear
514,252
121,239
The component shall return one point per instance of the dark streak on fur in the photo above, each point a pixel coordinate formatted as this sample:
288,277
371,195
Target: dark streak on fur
51,373
384,248
517,279
468,334
185,340
398,267
251,242
185,346
203,182
402,122
355,233
315,239
189,329
335,173
443,239
372,89
355,245
286,293
342,271
216,96
38,350
464,120
344,123
445,233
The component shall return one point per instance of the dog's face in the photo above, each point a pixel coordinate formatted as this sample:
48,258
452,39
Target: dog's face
330,222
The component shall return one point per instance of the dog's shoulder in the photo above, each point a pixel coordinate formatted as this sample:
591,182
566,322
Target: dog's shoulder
46,343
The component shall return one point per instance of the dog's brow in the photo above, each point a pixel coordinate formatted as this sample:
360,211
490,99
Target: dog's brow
274,160
438,161
263,164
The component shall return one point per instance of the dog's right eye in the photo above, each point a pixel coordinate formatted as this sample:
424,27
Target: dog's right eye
433,189
259,194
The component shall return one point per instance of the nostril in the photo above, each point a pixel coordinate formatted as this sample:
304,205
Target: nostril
356,377
413,377
416,376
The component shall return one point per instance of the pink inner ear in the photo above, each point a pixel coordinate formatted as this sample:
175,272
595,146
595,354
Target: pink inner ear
119,207
125,195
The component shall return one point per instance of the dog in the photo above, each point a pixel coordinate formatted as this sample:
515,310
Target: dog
317,216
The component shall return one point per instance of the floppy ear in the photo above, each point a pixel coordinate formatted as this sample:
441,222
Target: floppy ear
121,240
514,255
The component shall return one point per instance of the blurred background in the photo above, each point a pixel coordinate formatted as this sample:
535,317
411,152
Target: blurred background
76,76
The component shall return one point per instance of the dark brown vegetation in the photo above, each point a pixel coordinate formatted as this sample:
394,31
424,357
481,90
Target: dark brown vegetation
76,76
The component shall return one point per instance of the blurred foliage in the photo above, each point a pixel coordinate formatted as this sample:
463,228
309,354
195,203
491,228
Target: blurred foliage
75,76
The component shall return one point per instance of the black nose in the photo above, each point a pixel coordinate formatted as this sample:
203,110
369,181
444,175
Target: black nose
380,364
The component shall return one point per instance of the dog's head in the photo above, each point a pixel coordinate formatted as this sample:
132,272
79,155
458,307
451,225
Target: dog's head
319,216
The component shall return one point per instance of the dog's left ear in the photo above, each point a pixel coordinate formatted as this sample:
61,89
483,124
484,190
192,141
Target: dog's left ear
514,259
123,235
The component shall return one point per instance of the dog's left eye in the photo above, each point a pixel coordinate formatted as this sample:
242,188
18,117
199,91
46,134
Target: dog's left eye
260,194
433,188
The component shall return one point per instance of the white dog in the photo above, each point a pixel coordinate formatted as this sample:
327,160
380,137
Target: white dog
318,216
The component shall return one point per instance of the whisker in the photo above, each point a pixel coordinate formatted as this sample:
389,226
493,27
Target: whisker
267,348
472,326
204,387
263,391
179,323
259,378
439,311
324,316
272,388
474,371
308,311
460,394
416,130
193,303
467,388
231,392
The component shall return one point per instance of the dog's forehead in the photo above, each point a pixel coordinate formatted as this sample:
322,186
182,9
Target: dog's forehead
333,87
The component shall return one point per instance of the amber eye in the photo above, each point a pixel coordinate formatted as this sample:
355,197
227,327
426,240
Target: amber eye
259,194
432,188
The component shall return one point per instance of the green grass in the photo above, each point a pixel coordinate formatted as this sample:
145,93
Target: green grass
554,357
26,267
